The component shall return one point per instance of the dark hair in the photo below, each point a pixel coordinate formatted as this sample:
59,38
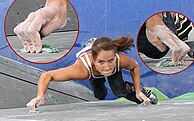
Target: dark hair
120,44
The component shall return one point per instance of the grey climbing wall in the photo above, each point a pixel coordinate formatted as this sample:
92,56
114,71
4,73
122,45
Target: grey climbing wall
18,85
20,9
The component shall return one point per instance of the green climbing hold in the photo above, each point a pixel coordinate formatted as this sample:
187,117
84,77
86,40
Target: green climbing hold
49,49
187,96
164,63
160,95
45,49
52,98
37,111
121,99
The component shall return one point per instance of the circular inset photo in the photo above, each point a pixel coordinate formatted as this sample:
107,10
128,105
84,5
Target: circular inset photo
41,32
165,42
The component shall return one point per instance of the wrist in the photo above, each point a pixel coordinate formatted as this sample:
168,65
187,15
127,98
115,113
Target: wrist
40,95
138,91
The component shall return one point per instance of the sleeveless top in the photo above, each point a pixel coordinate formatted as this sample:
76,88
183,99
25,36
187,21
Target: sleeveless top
87,62
179,24
183,26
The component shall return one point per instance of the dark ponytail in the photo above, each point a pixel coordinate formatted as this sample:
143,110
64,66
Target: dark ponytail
119,44
124,43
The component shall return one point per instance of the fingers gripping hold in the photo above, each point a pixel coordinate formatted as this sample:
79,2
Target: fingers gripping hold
167,37
34,103
143,98
28,30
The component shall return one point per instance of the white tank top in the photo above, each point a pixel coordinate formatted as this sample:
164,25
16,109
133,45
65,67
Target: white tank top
87,62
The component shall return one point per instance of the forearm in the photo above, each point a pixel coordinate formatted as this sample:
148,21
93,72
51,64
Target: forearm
43,83
56,2
59,8
135,74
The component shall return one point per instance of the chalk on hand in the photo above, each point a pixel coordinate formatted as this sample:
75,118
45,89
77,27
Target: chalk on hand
34,111
45,49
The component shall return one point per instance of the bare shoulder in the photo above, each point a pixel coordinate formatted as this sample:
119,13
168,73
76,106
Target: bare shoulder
90,58
80,65
75,71
126,61
156,19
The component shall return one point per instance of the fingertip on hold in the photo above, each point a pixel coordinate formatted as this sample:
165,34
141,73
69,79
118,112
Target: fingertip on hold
38,49
32,48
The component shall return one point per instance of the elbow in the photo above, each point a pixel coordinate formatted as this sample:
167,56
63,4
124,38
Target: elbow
136,66
46,76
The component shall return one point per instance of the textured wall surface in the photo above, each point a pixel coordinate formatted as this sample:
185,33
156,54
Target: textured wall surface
19,85
113,19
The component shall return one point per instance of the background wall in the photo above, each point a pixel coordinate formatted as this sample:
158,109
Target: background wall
116,18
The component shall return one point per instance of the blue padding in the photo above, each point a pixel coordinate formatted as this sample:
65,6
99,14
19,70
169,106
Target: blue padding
115,18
